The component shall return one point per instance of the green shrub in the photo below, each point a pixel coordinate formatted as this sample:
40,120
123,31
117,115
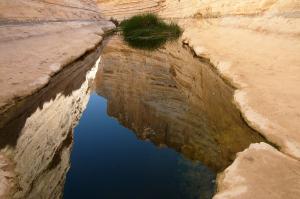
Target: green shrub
148,31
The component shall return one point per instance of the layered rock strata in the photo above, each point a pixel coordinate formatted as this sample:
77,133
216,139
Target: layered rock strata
40,38
254,45
46,49
172,99
260,172
37,143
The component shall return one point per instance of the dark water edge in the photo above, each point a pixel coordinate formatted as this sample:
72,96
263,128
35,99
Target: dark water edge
109,161
167,128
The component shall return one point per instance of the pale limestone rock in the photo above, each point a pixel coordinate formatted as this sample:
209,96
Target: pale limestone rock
265,68
260,172
7,176
42,151
186,107
255,46
121,9
39,135
40,38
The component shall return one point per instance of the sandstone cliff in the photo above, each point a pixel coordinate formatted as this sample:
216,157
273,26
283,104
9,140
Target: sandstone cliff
36,144
206,8
39,38
47,10
254,45
46,49
179,111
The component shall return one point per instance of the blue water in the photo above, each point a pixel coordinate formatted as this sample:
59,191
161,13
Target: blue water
109,162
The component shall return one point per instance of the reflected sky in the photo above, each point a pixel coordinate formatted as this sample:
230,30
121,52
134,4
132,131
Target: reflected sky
109,161
167,127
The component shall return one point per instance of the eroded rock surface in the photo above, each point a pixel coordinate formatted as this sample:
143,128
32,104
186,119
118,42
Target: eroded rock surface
47,10
172,99
39,38
260,172
38,136
7,176
255,46
41,93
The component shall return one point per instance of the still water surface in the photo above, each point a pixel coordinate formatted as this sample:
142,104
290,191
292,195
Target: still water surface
109,161
139,125
167,128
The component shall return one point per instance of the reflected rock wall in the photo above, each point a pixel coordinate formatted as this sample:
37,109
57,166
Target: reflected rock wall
171,98
39,139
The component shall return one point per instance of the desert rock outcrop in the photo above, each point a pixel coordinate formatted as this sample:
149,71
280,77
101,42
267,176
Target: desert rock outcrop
252,44
39,38
36,144
46,49
165,96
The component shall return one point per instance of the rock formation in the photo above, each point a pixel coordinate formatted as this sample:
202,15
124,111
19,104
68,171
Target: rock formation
39,140
254,45
42,150
39,38
260,172
190,112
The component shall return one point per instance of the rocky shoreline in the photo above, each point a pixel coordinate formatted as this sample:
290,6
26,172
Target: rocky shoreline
43,45
253,44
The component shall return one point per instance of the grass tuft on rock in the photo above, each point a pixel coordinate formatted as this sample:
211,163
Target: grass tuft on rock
148,31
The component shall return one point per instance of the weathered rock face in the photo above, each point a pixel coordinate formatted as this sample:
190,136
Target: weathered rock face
40,38
260,172
172,99
123,9
7,176
38,139
255,46
206,8
47,10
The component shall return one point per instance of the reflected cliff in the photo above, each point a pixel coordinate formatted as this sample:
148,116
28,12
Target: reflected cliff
168,97
37,133
174,100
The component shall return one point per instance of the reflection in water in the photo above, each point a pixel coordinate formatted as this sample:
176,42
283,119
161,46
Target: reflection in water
190,110
167,97
162,97
108,161
37,135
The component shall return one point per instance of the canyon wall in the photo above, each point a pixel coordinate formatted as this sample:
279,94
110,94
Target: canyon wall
39,38
165,96
47,10
36,144
205,8
212,8
42,87
253,45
